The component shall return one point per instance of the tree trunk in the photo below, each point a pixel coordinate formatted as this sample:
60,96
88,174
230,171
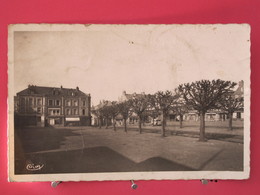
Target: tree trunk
99,122
114,124
202,127
181,119
163,124
106,123
153,121
230,120
125,125
140,124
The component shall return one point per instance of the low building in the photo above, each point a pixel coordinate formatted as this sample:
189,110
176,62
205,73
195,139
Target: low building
218,114
43,106
239,93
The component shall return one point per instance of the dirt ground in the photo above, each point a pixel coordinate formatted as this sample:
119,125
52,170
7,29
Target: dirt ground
90,149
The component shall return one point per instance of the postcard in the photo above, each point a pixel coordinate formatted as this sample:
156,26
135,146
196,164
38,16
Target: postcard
128,102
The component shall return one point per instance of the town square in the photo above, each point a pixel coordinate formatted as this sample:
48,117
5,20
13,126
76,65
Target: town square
120,102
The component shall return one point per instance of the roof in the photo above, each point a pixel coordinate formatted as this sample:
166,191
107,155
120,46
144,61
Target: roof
102,104
240,90
134,95
126,96
50,91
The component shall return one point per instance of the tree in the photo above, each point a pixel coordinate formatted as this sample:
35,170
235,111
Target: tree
102,112
163,102
229,103
114,111
180,109
153,113
98,112
105,110
138,106
124,110
204,95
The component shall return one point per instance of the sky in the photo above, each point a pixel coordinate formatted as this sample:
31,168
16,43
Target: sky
105,60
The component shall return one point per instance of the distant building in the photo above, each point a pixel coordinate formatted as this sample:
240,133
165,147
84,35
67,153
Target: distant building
42,106
133,117
239,114
149,115
127,96
218,114
96,118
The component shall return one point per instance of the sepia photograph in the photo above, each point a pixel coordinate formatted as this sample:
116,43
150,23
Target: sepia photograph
122,102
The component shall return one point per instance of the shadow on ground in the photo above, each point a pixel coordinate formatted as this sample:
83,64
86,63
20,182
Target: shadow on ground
214,136
41,138
90,160
195,134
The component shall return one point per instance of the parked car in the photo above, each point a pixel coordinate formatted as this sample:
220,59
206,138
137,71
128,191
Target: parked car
157,122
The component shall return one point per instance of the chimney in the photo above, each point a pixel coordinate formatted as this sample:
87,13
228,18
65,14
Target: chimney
241,83
77,88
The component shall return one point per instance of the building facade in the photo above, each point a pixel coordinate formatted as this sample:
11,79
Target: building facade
48,106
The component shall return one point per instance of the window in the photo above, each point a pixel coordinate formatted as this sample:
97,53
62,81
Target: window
75,111
50,103
67,111
84,103
54,112
83,111
57,102
22,101
30,101
39,110
68,103
39,102
75,102
22,109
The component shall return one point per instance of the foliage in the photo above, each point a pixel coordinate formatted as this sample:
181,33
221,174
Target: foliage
230,103
138,106
204,95
124,108
163,103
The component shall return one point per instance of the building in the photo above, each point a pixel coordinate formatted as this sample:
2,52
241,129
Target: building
43,106
100,115
133,118
239,93
128,96
218,114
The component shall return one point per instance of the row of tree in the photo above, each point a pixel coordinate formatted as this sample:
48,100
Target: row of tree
202,96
